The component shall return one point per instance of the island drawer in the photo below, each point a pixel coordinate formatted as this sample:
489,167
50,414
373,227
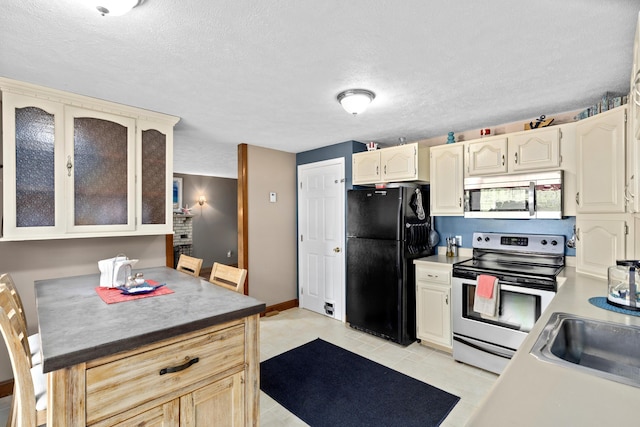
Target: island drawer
140,377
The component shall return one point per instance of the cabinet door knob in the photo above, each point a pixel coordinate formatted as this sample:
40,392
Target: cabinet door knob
578,198
336,250
69,165
446,299
503,160
516,158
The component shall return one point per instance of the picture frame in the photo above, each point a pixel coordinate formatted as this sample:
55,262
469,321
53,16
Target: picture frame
177,194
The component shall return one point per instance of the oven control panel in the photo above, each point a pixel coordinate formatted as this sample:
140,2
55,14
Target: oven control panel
540,243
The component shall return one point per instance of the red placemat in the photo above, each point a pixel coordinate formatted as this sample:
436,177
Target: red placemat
113,295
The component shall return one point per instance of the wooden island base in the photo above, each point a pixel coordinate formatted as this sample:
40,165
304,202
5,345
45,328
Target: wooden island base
201,378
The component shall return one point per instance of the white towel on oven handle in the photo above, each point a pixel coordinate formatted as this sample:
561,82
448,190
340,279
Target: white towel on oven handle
488,307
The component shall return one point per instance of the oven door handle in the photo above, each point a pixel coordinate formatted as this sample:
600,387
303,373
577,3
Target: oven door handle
532,198
477,347
507,286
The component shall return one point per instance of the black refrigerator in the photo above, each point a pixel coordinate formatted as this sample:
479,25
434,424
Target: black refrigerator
386,230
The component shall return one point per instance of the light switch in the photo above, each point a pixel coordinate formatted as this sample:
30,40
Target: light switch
272,197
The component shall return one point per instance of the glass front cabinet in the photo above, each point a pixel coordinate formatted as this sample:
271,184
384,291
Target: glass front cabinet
74,166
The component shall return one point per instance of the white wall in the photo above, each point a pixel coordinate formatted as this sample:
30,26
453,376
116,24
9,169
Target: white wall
272,226
38,260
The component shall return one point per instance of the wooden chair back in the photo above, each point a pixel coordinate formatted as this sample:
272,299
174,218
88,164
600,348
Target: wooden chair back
19,320
190,265
229,277
25,411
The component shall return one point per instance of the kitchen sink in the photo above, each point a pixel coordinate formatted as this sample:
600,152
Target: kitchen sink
604,349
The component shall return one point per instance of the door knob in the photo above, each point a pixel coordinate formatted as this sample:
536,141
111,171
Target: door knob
336,250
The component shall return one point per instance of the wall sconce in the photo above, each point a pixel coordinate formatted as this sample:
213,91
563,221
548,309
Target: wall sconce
355,101
202,200
116,7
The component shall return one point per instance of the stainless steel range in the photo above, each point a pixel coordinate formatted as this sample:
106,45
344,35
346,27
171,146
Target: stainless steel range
526,266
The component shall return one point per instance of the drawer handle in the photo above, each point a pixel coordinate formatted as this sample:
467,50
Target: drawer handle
179,368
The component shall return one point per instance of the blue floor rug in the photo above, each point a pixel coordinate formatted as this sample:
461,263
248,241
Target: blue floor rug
325,385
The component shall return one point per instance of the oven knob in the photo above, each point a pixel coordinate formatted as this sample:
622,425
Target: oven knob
486,239
544,242
479,239
554,243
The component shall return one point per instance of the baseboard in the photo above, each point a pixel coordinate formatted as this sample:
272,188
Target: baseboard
281,306
6,388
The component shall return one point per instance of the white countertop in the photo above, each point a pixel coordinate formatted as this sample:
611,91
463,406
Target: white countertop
440,260
531,392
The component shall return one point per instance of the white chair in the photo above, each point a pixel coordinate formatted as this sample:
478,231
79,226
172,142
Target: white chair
29,404
229,277
33,341
190,265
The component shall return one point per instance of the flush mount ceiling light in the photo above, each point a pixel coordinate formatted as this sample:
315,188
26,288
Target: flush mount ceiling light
355,101
116,7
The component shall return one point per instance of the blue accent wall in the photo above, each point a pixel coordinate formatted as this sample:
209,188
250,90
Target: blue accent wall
459,226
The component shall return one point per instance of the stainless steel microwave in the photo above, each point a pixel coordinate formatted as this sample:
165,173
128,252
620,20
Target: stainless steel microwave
527,196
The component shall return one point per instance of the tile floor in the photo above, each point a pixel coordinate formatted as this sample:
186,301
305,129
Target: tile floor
295,327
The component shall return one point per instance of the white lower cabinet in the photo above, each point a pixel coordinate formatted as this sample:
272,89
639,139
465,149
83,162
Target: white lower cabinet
601,241
433,304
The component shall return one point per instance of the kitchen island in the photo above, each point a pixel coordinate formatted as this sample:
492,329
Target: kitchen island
531,392
187,358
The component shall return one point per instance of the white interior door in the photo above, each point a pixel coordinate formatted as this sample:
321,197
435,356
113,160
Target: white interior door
321,222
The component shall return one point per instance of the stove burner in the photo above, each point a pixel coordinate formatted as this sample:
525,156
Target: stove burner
533,264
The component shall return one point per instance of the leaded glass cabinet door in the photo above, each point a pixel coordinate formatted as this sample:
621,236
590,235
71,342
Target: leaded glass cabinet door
155,160
100,171
33,151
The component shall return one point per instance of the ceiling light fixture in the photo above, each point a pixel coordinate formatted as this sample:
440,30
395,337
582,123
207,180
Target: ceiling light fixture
116,7
355,101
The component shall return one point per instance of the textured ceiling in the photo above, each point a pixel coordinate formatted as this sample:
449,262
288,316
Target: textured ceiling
267,72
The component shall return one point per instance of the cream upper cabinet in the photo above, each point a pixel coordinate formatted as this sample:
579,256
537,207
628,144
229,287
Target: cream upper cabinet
433,305
487,156
407,162
102,169
600,162
34,166
517,152
447,178
402,163
366,167
534,150
100,166
601,240
154,157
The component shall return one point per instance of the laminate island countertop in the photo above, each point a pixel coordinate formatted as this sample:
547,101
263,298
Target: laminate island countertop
77,326
187,358
531,392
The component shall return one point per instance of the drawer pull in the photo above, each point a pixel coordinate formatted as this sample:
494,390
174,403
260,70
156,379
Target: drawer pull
179,368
